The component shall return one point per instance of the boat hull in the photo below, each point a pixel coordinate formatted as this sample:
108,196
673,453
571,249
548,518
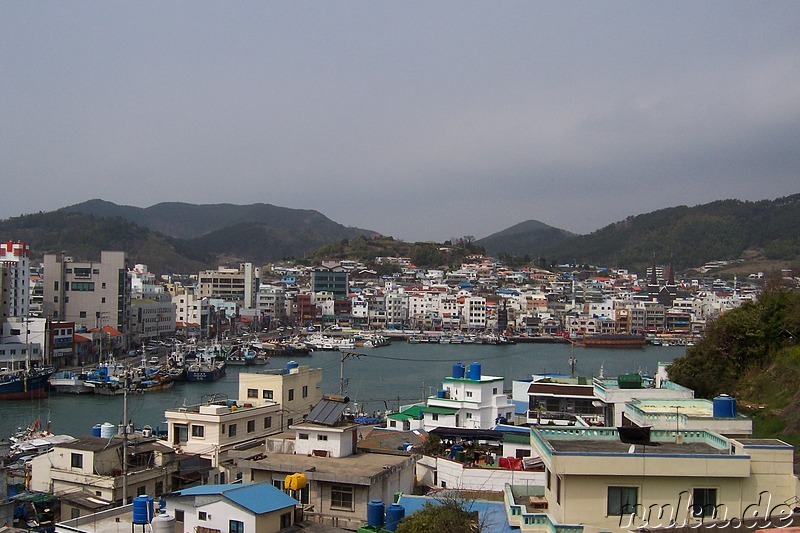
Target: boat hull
27,387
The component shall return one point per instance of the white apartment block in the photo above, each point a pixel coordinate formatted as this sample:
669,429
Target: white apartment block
478,400
15,279
473,314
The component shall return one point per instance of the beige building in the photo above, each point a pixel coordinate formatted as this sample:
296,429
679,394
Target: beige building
338,487
595,479
689,414
90,294
212,430
87,472
296,388
238,285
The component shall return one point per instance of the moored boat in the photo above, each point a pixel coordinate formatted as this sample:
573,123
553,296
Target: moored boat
613,341
67,381
25,384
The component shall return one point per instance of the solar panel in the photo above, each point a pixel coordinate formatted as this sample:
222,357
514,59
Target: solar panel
327,412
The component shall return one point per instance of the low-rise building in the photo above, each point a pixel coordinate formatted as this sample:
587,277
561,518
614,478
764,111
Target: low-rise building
295,387
601,478
235,508
91,468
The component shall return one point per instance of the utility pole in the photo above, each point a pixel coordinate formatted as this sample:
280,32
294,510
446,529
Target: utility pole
125,440
345,356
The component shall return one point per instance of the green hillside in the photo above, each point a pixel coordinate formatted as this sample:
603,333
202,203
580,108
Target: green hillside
752,353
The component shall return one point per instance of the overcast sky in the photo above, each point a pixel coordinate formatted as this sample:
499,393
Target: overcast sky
420,120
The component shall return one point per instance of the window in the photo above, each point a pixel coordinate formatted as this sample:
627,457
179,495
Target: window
140,490
469,394
267,422
201,515
179,515
704,503
469,415
75,513
251,426
82,314
159,488
434,416
267,395
322,437
341,497
291,394
235,526
198,431
548,479
621,501
252,393
305,391
302,436
232,430
76,460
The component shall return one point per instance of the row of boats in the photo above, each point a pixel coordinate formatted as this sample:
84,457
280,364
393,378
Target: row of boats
488,338
112,377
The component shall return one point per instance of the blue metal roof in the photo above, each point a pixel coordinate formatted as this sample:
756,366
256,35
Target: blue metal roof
258,498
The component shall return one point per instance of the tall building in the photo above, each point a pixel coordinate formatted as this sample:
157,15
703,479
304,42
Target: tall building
15,279
239,285
335,280
90,294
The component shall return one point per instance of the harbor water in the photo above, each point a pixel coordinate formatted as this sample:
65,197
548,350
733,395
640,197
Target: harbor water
376,379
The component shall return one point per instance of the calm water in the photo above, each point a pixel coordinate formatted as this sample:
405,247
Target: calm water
383,377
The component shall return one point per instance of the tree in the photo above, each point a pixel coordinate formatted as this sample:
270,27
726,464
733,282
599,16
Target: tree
739,341
449,514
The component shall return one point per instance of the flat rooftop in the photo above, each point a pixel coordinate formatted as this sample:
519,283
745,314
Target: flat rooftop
607,441
619,447
356,469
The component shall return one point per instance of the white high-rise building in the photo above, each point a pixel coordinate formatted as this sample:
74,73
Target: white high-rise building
15,279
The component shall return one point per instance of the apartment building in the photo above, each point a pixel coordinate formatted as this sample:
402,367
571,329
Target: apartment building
90,294
239,285
603,479
14,280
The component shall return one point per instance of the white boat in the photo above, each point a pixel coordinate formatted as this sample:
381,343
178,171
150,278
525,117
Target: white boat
70,382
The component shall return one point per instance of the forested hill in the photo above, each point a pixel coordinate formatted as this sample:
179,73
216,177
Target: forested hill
752,353
690,236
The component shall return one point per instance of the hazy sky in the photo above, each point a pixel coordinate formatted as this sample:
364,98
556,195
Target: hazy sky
421,120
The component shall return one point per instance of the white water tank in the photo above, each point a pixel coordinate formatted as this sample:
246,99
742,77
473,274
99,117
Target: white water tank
107,430
163,523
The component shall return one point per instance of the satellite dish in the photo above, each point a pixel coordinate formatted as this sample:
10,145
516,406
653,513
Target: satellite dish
632,449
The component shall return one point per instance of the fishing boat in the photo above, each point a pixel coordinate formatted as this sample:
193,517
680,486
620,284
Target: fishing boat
67,381
205,368
613,341
25,384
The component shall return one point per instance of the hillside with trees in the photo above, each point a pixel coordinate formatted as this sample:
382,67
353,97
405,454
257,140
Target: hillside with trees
752,353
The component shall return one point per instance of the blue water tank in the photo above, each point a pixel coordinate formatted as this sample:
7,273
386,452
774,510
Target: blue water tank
143,510
291,365
458,370
375,510
440,393
475,371
724,406
96,430
394,513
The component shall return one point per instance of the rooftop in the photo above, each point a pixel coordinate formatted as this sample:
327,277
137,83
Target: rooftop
355,469
569,440
258,498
